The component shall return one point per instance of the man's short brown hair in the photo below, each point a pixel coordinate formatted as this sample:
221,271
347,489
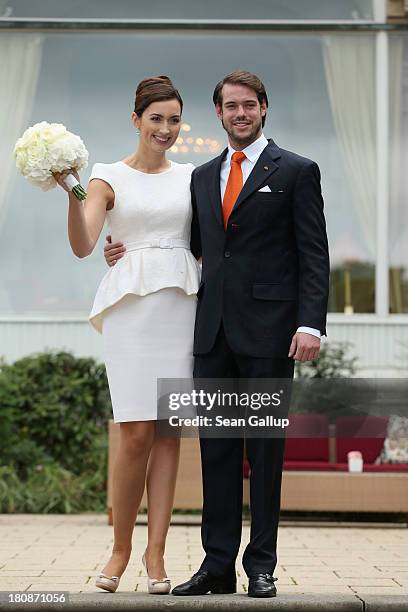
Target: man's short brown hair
242,77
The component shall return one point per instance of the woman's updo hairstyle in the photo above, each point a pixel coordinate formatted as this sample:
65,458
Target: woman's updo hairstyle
155,89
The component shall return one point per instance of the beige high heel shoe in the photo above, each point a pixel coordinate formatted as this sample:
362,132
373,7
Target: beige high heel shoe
106,583
157,587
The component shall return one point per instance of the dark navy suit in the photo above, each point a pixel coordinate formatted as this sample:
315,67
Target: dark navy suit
263,276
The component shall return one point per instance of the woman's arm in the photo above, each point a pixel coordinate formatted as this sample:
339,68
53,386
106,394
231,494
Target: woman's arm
85,221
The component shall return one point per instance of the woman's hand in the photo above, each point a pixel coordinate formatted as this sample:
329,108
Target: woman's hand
59,177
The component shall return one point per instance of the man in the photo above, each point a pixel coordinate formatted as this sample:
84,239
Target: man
258,223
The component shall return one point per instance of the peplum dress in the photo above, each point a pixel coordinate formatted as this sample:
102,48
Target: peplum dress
145,305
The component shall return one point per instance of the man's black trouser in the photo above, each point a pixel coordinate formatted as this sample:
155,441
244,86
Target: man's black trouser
222,471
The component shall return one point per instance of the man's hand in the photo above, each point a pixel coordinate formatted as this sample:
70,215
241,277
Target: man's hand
113,252
304,347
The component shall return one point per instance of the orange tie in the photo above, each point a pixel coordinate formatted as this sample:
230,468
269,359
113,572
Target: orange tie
234,185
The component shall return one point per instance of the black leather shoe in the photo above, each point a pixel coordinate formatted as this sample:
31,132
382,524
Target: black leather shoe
203,582
262,585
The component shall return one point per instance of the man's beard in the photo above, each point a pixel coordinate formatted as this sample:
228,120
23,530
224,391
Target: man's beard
244,140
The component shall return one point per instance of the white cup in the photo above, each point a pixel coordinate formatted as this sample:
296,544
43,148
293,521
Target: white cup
355,461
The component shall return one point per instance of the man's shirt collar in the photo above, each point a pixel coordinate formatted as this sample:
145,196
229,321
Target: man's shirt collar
252,151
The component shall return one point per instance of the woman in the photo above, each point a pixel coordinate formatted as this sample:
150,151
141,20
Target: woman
145,310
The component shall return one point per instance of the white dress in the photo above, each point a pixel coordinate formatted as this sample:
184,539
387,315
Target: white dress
145,305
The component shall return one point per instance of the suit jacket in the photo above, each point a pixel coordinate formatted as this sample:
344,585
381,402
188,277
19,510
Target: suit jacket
268,272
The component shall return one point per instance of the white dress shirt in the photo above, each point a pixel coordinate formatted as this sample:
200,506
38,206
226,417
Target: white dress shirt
252,153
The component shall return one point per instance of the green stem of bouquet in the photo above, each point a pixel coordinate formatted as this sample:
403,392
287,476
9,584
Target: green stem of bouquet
79,192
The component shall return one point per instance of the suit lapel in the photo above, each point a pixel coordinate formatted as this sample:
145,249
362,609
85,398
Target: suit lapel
214,185
264,168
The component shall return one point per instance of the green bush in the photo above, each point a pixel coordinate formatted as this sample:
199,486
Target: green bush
54,411
326,385
51,489
333,362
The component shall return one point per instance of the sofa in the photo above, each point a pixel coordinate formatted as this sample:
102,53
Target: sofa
315,476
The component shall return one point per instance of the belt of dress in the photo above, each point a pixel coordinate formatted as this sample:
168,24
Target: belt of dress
158,243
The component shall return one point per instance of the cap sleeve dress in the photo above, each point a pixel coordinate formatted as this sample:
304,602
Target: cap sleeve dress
145,304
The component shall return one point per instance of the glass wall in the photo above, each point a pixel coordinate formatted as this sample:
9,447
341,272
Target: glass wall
398,223
185,9
322,105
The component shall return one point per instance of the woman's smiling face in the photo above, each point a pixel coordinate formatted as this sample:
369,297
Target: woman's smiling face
159,124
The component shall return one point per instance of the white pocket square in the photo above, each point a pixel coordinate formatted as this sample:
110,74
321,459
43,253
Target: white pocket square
266,188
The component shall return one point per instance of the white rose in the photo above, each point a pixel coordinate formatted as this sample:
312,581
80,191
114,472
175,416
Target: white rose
45,148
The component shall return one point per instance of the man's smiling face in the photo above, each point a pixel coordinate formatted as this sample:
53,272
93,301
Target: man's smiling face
241,114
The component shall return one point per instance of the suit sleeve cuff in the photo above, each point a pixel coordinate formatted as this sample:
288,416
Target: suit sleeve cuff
309,330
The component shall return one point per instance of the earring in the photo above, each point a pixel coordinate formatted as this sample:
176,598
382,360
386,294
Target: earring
138,131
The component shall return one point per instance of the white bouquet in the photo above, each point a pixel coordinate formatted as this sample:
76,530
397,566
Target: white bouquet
47,148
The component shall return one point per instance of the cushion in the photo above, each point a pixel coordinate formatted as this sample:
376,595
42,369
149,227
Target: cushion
360,433
307,438
395,448
307,449
316,466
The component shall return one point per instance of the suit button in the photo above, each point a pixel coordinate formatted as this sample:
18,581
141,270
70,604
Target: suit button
227,254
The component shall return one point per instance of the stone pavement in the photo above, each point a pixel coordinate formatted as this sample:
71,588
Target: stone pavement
319,568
